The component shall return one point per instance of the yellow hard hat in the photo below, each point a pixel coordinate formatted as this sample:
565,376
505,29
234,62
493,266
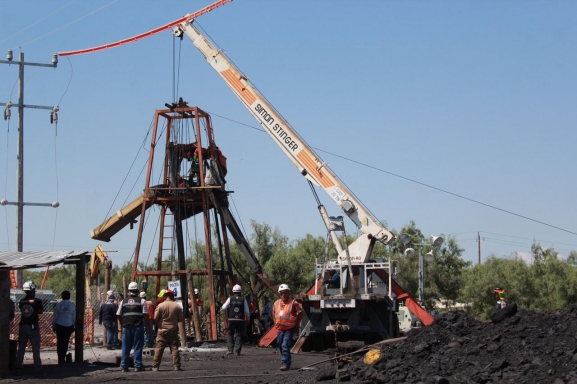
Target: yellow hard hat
161,293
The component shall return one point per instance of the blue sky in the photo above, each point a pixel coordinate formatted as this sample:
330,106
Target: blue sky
473,98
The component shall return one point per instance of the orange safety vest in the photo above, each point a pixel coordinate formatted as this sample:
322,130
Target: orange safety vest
283,318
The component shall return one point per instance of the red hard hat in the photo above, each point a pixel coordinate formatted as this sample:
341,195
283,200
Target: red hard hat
169,291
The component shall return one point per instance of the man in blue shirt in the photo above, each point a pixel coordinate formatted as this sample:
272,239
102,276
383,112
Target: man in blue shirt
334,281
63,324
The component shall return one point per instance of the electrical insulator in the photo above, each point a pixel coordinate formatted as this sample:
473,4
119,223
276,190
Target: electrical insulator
9,55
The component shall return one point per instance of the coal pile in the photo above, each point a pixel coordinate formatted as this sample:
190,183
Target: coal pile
527,347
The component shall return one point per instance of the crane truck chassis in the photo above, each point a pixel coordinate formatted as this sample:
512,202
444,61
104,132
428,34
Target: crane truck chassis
365,305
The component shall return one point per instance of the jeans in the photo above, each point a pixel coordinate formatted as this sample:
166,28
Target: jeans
62,340
150,336
32,333
284,340
132,337
111,333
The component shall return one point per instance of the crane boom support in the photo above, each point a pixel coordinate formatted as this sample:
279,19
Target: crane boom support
294,147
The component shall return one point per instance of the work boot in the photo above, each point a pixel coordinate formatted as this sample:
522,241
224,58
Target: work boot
155,369
177,369
284,368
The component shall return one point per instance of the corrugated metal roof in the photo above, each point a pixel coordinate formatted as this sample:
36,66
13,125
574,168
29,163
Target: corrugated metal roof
23,260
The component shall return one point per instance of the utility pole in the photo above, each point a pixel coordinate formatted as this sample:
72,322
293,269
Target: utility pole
20,149
479,247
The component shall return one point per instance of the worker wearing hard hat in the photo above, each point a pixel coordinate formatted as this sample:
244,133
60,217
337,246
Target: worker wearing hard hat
107,317
499,294
133,318
287,315
149,336
30,308
238,312
168,319
160,297
265,319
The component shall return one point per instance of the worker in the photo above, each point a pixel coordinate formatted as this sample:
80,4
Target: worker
168,318
133,317
12,308
160,297
237,309
252,317
149,336
30,309
265,321
287,315
334,281
199,303
115,300
499,294
107,318
63,325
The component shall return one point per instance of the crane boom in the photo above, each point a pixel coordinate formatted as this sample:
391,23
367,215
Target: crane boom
294,147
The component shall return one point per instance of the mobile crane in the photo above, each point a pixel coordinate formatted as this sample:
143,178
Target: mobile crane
364,306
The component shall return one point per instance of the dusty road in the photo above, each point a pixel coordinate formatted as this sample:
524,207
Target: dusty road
208,364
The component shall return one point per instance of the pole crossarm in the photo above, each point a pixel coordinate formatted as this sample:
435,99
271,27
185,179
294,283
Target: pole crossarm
27,106
54,205
53,65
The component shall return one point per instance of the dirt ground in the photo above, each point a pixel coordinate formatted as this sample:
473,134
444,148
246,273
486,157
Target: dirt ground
521,347
207,364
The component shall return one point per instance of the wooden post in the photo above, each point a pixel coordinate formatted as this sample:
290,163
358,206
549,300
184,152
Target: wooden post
4,322
195,314
80,307
107,269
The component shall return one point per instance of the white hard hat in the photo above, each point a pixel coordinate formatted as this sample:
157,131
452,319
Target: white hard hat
237,288
196,291
29,286
143,295
283,287
109,293
133,286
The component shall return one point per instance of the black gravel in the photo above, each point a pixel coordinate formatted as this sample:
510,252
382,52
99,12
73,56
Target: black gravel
524,347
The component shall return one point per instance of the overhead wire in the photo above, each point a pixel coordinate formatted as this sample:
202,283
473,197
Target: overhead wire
69,24
422,184
37,22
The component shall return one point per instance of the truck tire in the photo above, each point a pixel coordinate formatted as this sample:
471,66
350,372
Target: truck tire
509,311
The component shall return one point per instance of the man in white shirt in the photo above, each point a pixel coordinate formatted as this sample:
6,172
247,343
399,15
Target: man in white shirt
63,324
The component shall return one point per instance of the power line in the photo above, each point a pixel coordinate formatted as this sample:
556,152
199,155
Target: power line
414,181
